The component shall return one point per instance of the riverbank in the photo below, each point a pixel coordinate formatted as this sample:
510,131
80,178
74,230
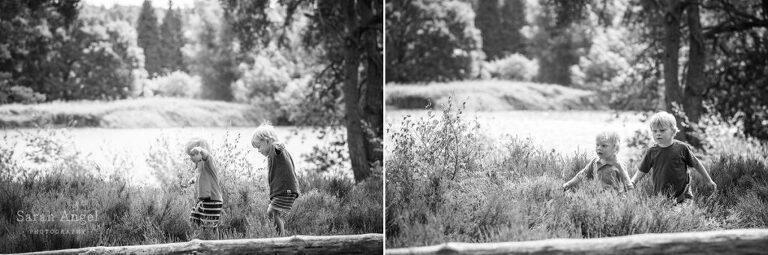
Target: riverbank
132,113
492,95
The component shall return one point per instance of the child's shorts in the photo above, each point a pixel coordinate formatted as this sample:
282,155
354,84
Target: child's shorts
207,213
282,202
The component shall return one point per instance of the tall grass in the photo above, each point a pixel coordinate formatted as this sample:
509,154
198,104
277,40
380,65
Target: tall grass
448,182
128,214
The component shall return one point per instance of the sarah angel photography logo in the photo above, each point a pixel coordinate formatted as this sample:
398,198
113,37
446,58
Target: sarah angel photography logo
69,221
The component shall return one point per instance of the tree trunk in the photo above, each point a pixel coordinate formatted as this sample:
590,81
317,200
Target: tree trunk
694,82
373,109
673,93
355,132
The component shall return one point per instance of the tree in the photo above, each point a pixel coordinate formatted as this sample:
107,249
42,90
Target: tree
211,51
31,31
350,34
171,41
500,22
429,40
556,43
149,39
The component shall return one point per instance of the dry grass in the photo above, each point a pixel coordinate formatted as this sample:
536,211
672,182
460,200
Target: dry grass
447,182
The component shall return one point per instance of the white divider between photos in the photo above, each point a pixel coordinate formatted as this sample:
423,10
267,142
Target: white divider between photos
341,244
736,241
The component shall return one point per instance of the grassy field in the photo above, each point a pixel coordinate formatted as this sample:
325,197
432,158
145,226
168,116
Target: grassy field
132,113
66,200
492,96
446,181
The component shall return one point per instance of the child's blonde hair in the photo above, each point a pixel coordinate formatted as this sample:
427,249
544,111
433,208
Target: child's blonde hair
196,142
265,132
609,136
664,120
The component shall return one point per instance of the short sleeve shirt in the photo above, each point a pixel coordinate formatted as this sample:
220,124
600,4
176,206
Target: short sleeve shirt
607,173
670,168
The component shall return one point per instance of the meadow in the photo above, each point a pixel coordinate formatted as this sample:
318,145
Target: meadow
58,195
451,179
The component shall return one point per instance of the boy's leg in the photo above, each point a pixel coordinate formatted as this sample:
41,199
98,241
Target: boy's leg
278,222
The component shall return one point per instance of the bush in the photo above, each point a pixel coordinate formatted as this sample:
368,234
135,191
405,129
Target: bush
514,67
176,84
511,191
260,81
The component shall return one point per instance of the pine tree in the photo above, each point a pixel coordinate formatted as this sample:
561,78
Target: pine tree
500,22
149,38
172,41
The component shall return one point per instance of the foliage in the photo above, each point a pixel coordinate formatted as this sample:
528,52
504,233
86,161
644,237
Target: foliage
556,46
349,37
500,23
149,39
22,95
514,67
129,214
176,84
31,31
511,191
172,40
261,80
211,51
431,40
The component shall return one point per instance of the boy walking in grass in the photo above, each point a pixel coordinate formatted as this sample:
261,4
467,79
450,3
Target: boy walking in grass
207,210
670,159
283,185
606,166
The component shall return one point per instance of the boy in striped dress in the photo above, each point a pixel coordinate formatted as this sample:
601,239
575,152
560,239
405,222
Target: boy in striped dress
283,186
207,210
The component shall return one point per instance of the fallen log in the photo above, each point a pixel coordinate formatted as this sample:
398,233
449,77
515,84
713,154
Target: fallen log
736,241
346,244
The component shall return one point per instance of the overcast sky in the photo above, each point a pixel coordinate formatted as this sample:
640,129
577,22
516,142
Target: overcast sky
155,3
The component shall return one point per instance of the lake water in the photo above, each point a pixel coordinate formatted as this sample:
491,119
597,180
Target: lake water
564,131
102,144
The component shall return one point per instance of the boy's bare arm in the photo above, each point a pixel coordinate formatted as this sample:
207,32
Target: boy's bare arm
703,172
578,177
625,176
637,177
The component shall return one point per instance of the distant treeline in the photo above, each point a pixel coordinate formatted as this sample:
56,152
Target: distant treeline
692,57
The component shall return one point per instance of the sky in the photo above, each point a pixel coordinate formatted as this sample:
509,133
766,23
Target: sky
155,3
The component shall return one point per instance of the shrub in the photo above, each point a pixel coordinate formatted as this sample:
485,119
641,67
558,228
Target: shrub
19,94
512,191
176,84
514,67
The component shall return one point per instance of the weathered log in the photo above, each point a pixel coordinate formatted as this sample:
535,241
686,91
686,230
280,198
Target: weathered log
737,241
347,244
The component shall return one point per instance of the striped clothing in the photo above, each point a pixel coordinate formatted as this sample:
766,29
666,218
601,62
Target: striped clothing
283,202
207,213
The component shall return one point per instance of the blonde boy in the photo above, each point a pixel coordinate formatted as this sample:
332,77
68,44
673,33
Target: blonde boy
283,185
606,166
670,159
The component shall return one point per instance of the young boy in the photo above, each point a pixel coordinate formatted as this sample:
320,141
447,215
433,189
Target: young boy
670,159
606,167
283,186
207,210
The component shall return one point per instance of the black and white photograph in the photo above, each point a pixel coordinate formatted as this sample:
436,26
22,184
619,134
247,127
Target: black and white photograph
191,126
576,127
